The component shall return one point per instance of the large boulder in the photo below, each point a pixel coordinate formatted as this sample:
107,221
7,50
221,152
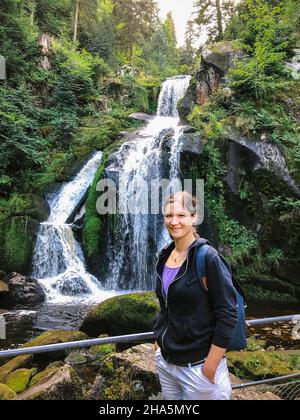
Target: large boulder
21,291
130,375
120,315
216,60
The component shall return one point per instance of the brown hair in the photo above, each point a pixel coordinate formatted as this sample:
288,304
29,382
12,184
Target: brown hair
189,202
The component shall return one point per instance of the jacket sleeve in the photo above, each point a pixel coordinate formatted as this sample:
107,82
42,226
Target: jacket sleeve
223,300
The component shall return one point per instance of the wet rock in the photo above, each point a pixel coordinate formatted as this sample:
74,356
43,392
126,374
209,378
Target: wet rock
126,314
22,291
19,325
141,116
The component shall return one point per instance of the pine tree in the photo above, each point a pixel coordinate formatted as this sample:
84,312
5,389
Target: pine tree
212,16
171,52
188,51
136,21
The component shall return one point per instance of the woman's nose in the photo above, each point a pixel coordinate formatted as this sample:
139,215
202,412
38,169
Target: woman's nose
174,220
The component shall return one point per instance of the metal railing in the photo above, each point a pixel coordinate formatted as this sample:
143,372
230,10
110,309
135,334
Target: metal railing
121,339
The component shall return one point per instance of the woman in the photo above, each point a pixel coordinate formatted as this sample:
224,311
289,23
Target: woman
192,331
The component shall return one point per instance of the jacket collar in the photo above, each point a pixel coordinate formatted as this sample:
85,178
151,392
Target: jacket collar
166,251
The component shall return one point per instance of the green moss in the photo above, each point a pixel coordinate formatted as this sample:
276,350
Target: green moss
94,223
18,380
103,350
14,364
125,314
18,239
254,344
43,376
6,393
53,337
263,364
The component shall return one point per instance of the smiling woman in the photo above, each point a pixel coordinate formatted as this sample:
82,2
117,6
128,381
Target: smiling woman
190,347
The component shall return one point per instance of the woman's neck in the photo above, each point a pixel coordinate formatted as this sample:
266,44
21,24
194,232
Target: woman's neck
182,244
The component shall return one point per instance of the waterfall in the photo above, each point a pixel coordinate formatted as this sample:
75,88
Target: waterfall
172,91
137,237
58,261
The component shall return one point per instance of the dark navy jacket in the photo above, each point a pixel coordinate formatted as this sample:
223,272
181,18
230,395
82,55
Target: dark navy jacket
190,319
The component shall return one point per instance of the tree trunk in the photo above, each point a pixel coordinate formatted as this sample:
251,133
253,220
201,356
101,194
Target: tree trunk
220,19
131,55
76,21
32,7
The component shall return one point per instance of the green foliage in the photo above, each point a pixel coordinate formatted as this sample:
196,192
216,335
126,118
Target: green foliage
266,38
135,22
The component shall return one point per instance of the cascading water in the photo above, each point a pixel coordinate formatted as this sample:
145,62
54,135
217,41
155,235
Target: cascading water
58,261
138,236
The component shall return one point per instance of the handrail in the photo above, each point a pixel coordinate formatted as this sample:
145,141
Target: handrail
120,339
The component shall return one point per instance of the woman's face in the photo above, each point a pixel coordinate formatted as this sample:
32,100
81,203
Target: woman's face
178,220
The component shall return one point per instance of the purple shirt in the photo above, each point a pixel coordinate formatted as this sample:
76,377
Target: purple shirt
168,276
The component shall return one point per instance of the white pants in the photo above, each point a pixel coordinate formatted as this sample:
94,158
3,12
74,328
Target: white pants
189,383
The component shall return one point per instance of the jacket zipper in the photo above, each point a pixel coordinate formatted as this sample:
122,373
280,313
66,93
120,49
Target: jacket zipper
166,299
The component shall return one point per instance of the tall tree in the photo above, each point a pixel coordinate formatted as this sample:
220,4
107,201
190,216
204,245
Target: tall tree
188,51
172,53
136,21
212,16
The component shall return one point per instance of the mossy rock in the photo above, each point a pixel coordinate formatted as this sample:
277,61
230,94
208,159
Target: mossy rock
15,364
6,393
126,314
222,54
43,376
103,350
264,364
56,337
18,237
255,344
63,384
33,206
19,380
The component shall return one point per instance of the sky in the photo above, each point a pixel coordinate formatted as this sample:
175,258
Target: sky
181,10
